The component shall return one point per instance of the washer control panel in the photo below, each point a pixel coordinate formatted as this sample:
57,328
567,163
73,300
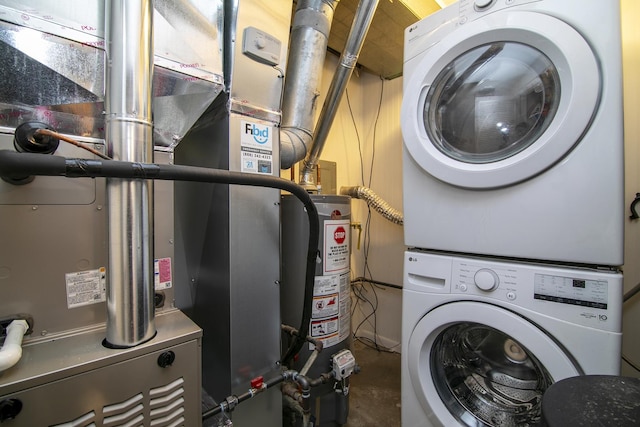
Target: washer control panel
585,296
506,283
477,279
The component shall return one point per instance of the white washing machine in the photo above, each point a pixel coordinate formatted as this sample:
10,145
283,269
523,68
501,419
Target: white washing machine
482,339
512,127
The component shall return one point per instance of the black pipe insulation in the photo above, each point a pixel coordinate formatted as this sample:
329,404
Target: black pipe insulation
15,165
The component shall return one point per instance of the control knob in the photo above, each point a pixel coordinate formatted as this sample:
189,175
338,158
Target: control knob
482,4
486,279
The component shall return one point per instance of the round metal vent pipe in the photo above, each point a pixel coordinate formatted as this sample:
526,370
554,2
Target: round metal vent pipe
128,134
307,51
359,29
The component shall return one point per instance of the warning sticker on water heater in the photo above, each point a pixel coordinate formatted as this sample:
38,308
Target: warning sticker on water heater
256,145
331,314
86,287
336,246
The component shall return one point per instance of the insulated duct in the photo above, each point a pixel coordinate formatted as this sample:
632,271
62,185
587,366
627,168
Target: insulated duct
374,201
128,134
307,51
359,29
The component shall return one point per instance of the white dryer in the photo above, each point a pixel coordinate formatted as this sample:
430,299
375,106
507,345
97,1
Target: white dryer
483,339
512,127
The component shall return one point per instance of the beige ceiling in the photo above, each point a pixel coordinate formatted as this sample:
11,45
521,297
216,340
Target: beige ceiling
383,48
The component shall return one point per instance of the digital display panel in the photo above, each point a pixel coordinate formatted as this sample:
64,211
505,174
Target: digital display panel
573,291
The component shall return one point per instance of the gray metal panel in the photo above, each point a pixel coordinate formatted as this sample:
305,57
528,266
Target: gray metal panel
61,380
163,229
227,243
50,227
55,226
253,82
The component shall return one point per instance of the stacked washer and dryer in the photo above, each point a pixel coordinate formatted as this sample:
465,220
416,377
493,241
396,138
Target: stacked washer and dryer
513,207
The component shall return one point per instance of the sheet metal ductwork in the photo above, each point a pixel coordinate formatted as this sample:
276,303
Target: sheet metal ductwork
307,51
305,67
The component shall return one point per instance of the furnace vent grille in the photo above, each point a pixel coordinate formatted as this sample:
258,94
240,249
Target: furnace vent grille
165,408
167,404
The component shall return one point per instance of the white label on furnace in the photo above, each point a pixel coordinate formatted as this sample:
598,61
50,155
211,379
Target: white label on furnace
336,246
162,273
86,287
256,146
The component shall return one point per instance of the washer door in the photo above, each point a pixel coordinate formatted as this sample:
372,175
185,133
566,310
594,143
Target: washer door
500,99
477,364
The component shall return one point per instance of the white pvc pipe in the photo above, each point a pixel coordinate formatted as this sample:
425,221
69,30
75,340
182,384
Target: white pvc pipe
11,350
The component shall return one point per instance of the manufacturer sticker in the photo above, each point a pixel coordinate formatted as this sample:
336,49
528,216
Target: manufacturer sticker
256,145
162,273
86,287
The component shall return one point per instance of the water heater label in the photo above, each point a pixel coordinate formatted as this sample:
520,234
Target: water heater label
336,246
86,287
256,145
331,314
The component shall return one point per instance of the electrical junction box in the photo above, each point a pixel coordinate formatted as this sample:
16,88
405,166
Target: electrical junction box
260,46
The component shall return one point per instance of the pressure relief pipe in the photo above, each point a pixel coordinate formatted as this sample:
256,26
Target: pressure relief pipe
13,164
11,350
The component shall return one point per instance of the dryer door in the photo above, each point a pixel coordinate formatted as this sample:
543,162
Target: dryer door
489,366
500,99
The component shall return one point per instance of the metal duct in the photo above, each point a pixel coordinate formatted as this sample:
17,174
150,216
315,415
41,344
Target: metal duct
128,133
375,201
307,50
359,28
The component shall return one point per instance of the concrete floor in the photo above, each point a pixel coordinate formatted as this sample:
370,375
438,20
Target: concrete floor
375,391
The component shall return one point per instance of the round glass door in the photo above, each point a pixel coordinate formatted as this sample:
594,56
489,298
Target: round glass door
492,102
498,100
475,364
485,377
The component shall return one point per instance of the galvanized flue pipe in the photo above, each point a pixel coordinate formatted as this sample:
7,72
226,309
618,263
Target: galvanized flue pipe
348,60
307,51
128,134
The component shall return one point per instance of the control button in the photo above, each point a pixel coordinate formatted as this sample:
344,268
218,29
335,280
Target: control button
166,359
511,296
463,287
9,409
481,4
260,42
486,279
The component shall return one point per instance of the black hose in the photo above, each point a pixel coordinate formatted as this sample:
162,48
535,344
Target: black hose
18,165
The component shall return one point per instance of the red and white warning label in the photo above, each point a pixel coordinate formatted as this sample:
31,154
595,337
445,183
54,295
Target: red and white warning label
331,314
162,273
336,246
